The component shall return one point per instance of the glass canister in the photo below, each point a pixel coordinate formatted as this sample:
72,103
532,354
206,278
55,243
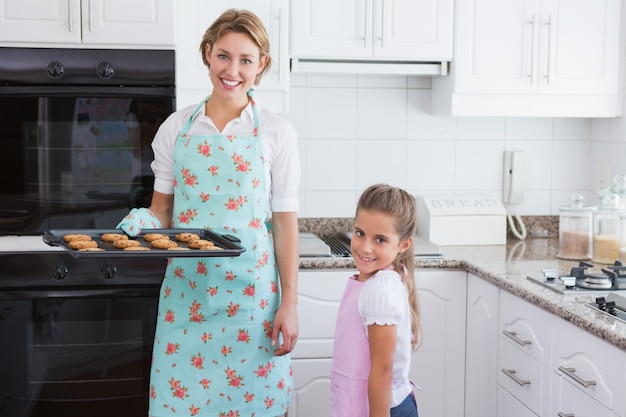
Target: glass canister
606,230
575,230
622,237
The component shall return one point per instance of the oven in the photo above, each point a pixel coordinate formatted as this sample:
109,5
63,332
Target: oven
77,336
76,134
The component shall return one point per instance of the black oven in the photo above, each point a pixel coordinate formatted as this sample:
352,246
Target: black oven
76,336
76,132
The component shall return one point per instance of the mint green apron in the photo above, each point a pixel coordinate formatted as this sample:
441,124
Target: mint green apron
212,350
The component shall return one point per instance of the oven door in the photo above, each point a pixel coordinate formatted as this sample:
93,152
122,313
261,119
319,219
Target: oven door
76,352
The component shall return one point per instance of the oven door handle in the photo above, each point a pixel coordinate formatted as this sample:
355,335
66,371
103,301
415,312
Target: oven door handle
82,292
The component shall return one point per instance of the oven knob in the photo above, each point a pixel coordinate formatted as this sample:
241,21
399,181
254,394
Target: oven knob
105,70
55,69
59,272
108,271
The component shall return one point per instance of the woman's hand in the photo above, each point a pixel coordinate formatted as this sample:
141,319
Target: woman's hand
285,323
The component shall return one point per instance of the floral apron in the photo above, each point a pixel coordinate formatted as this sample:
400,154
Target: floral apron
212,351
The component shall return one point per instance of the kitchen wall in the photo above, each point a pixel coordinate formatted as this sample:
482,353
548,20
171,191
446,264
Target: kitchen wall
357,130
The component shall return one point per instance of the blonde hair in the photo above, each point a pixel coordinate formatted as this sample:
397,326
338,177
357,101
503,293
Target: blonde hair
239,21
400,206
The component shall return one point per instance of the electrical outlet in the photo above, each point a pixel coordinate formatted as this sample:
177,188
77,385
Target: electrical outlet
603,175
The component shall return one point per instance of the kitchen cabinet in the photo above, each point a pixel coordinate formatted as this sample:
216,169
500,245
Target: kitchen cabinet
438,365
192,76
88,22
415,30
481,346
524,356
589,374
554,58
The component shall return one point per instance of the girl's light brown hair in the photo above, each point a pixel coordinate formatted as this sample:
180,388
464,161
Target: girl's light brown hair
400,206
239,21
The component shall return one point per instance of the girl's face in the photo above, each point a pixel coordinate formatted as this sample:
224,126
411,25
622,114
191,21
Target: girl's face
375,243
234,62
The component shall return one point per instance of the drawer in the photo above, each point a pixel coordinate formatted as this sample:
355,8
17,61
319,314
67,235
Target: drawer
591,365
524,377
568,400
526,325
510,406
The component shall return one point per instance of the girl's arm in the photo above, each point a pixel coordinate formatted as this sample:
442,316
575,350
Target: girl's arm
382,342
285,236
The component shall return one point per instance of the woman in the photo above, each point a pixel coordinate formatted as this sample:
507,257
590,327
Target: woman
226,325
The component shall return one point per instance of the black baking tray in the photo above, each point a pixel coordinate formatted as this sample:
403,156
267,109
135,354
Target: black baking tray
229,243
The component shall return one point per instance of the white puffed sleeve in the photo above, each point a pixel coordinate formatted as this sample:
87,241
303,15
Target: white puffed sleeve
383,299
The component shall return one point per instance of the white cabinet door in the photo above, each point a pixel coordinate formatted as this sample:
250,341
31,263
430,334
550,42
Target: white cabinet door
380,29
311,388
481,371
101,22
438,366
550,58
192,77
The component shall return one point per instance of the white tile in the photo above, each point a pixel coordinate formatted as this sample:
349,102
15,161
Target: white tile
380,161
331,164
537,162
479,165
569,129
528,128
571,168
331,203
381,81
326,80
430,165
331,113
381,113
297,110
479,128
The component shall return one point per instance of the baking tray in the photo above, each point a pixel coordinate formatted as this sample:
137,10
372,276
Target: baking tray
229,243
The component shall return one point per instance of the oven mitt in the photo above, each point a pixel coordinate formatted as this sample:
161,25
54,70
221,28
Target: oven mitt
138,219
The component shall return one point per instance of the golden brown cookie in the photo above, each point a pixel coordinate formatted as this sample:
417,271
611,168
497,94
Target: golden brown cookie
149,237
83,244
163,244
186,237
112,237
75,236
210,247
137,248
197,244
178,248
123,244
91,250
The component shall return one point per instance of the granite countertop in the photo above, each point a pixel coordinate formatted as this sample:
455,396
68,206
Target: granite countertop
507,266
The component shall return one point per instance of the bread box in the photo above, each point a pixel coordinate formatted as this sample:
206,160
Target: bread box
461,219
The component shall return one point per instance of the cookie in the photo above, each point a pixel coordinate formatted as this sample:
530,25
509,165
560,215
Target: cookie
198,243
75,236
149,237
123,244
112,237
163,243
210,247
91,250
83,244
178,248
137,248
186,237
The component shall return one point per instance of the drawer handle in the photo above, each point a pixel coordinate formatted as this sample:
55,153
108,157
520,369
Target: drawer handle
511,374
560,414
513,337
571,372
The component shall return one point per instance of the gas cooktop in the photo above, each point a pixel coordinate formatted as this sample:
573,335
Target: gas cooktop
579,281
613,304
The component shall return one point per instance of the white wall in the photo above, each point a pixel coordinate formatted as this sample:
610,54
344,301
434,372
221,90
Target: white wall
357,130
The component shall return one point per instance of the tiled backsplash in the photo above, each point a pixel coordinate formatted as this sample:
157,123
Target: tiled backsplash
358,130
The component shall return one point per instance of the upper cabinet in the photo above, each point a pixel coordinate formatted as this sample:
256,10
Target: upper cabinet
192,76
88,22
373,30
554,58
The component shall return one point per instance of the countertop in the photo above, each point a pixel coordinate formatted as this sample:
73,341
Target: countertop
507,266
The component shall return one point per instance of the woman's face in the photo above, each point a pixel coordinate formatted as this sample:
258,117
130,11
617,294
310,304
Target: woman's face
234,64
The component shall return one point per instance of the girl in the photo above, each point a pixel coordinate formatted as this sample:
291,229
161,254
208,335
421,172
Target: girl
378,319
225,326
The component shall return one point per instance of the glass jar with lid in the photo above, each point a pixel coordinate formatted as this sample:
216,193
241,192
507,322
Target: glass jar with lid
606,230
575,230
622,237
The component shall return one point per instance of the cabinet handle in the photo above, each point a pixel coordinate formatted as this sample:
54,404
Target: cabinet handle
364,37
70,15
513,337
531,74
90,16
560,414
571,372
382,24
511,374
549,27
